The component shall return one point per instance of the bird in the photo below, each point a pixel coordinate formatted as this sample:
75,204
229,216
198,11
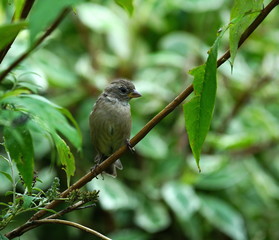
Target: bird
110,121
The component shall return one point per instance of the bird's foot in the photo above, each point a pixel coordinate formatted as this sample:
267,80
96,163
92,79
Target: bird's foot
92,169
133,150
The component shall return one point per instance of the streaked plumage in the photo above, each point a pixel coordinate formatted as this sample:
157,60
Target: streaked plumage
110,120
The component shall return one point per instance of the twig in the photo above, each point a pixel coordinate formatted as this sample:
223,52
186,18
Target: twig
85,37
66,210
255,149
145,130
25,11
37,43
241,101
72,224
250,29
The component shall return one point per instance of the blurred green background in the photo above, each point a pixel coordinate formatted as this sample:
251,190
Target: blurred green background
160,194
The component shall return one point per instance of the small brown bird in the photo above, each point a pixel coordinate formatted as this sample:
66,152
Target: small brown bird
110,121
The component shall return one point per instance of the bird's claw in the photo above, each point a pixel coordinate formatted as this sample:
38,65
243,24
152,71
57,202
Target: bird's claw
133,150
92,169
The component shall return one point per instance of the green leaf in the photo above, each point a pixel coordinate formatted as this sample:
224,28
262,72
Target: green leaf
19,143
223,217
15,92
50,114
181,198
198,111
7,175
265,184
18,8
198,6
219,173
4,204
242,15
152,216
45,117
115,195
103,20
43,13
127,5
8,32
2,237
27,201
56,117
129,234
65,156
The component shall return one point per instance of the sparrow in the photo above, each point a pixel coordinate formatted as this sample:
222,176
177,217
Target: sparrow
110,121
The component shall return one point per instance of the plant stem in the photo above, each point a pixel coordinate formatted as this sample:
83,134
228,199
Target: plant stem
37,43
72,224
12,174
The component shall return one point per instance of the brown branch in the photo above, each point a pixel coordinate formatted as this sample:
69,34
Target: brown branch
258,20
25,11
254,149
85,37
145,130
242,100
37,43
72,224
66,210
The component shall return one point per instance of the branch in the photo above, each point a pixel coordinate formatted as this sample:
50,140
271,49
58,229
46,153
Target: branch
67,210
258,20
85,37
255,149
25,11
145,130
242,100
72,224
37,43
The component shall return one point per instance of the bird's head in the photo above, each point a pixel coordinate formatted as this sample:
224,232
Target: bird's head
122,89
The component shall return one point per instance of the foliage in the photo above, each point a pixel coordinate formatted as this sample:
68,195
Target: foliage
198,111
23,203
232,128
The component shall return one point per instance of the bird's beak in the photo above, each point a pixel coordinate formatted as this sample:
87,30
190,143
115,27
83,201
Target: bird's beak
134,94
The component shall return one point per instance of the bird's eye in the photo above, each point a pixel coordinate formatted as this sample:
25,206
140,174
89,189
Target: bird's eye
123,90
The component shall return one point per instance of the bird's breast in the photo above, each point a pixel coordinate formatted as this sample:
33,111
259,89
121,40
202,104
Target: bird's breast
111,126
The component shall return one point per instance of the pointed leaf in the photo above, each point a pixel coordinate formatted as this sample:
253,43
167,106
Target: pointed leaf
7,175
2,237
115,195
45,117
43,13
182,199
65,156
8,32
198,111
152,216
223,216
127,5
242,15
18,8
19,143
27,201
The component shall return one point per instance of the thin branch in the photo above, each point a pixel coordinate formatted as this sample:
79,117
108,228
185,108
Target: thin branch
242,100
145,130
25,11
72,224
255,149
37,43
258,20
85,37
66,210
